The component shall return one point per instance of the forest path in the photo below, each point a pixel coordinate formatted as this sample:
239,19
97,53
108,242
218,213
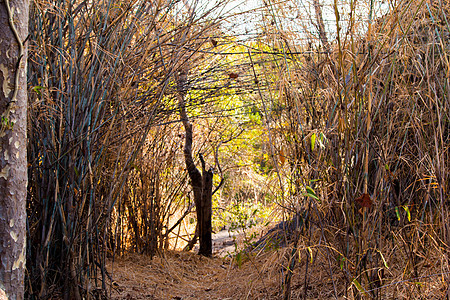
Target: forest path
186,275
225,241
227,275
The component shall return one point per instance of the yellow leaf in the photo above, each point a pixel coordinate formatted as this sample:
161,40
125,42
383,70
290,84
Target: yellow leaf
408,213
310,254
313,141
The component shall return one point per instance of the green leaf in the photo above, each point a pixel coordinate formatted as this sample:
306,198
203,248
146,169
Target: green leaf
239,259
313,141
408,213
359,287
37,89
397,212
382,257
7,123
310,193
384,261
341,261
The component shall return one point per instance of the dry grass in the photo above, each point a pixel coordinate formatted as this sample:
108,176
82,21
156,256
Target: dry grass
189,276
107,174
186,275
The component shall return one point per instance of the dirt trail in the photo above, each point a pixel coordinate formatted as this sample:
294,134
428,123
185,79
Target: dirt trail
225,241
185,275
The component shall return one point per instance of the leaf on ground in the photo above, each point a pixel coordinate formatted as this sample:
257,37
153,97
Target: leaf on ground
364,200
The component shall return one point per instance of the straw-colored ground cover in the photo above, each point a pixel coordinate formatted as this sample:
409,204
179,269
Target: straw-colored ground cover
186,275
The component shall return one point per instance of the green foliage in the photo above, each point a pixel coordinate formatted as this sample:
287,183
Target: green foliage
240,215
311,193
6,123
37,89
359,287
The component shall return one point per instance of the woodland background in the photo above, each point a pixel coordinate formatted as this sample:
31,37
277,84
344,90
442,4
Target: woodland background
336,114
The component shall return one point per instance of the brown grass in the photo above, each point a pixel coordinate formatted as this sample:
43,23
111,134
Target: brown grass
107,174
186,275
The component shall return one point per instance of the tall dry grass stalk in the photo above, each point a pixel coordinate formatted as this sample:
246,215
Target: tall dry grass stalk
102,175
367,129
359,139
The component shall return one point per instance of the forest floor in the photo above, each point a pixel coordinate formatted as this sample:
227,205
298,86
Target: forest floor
235,274
186,275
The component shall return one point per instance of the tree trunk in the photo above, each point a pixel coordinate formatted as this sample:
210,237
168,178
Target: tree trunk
13,143
321,25
201,182
204,217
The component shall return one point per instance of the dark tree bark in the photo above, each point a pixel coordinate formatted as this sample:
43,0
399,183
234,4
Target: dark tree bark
13,143
201,182
205,226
